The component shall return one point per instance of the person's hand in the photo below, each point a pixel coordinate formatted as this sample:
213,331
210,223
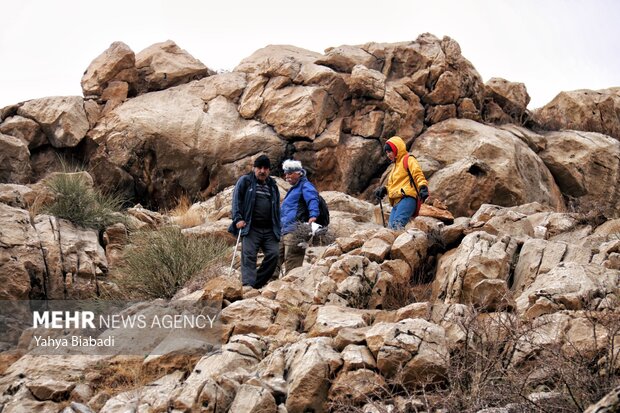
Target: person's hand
311,220
380,192
240,224
423,193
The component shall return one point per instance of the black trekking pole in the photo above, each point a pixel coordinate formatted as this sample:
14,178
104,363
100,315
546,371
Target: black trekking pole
381,207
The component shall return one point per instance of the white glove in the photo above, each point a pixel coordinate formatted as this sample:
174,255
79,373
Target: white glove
315,227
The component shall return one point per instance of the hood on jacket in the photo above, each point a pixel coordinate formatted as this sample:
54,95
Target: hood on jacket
398,147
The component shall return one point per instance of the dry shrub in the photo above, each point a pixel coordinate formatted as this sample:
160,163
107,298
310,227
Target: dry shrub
417,290
124,373
483,371
183,216
156,264
398,296
76,201
37,206
585,375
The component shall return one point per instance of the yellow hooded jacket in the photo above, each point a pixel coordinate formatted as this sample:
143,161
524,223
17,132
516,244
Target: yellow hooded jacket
398,180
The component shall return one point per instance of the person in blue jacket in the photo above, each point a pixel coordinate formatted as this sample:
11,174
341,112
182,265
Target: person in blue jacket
256,214
301,204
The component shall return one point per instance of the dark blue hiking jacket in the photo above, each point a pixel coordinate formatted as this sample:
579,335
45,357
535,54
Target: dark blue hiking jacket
244,198
294,211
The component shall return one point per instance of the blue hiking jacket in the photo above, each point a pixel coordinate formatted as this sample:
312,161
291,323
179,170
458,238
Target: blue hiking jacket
294,211
244,198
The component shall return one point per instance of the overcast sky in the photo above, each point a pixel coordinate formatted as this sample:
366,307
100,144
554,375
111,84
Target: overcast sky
550,45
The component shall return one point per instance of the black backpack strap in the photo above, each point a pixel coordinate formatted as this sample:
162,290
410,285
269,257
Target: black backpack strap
411,180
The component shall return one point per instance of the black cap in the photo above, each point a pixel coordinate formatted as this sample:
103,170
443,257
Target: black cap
387,148
262,162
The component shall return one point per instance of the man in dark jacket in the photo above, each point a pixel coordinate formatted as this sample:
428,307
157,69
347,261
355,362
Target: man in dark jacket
301,204
256,214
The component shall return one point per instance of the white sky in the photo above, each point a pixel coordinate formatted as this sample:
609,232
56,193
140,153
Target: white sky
550,45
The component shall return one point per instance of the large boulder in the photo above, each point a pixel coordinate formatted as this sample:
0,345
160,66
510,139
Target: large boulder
438,72
341,162
586,166
511,97
583,110
115,64
14,160
538,256
468,164
62,119
310,364
477,272
26,129
165,64
162,144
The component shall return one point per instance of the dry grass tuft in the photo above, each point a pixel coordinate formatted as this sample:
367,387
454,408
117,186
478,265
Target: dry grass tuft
184,216
156,264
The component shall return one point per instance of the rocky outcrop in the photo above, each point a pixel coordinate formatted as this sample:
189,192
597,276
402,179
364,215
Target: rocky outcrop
25,129
468,164
115,64
162,144
583,110
477,272
571,286
584,164
22,265
510,97
62,119
513,273
14,160
164,65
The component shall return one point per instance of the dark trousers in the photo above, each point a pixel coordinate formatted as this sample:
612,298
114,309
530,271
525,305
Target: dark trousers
264,239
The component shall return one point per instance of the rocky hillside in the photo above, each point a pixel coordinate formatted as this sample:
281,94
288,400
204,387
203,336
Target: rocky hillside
504,294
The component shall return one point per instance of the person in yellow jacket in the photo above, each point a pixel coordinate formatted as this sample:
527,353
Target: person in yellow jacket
402,186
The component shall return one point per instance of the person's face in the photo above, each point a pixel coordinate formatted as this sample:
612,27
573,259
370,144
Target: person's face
390,155
292,177
261,172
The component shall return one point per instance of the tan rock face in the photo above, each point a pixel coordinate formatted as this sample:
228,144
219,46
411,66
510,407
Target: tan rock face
411,247
253,399
412,350
117,63
511,97
169,142
25,129
22,269
584,110
330,319
14,160
345,58
62,119
482,164
74,258
356,387
584,165
253,315
571,286
295,111
163,65
310,363
477,272
538,257
367,82
213,380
